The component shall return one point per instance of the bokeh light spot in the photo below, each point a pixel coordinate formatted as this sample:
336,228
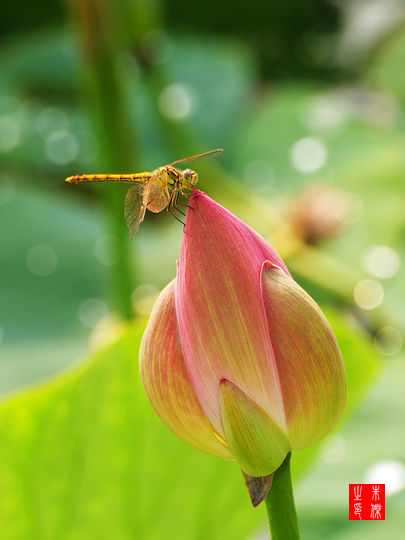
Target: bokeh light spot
42,260
368,294
61,147
333,449
51,119
308,155
388,341
381,261
390,473
326,113
91,311
175,102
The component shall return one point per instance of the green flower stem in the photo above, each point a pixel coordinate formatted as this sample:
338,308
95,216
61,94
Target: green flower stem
100,30
281,512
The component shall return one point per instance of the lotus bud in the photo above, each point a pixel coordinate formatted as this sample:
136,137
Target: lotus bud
237,359
319,214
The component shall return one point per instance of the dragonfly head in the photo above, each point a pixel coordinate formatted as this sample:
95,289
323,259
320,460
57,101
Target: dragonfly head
189,178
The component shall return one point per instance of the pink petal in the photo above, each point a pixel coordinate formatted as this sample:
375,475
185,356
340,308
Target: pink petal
220,309
167,383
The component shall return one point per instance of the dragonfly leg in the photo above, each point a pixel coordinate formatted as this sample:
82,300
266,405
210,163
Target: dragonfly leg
187,196
171,205
184,193
171,213
174,201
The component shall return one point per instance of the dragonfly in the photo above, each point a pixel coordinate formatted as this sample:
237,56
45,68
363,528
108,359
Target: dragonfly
150,190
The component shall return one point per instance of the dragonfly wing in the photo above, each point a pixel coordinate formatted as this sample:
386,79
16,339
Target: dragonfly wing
135,207
157,196
200,157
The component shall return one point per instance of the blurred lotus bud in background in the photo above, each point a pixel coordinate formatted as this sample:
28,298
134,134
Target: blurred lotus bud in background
319,214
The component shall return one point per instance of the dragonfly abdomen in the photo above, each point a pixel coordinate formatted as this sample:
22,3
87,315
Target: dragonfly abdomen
138,177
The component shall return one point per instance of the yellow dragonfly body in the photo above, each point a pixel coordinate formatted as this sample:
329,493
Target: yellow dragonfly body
150,189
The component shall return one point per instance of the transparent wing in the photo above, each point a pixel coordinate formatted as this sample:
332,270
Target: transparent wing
156,196
135,207
200,157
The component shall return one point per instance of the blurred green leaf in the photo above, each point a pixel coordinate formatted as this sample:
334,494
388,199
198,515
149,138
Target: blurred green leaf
84,456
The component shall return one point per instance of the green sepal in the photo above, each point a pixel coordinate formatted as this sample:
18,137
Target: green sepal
257,442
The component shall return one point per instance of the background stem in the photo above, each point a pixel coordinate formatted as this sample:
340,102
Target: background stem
280,506
102,39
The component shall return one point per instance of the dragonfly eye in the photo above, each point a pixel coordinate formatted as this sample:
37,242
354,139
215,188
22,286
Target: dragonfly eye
189,178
